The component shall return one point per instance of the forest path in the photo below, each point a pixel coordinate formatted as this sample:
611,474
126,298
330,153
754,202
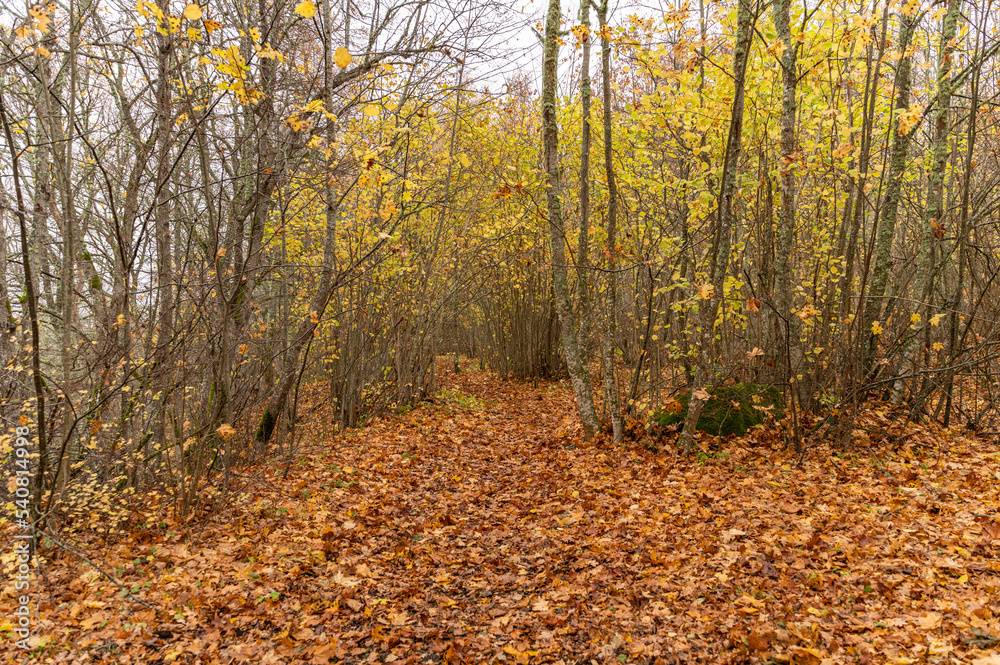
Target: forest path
478,528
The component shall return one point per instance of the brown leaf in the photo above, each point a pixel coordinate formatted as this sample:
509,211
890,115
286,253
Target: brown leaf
759,639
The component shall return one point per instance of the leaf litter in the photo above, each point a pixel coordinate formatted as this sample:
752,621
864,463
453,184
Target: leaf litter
479,528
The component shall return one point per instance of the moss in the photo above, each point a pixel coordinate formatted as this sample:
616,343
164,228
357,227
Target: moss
95,283
266,426
730,409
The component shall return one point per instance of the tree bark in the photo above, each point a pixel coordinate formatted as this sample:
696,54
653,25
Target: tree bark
578,372
38,480
609,338
934,211
583,274
329,277
161,220
885,234
721,242
792,347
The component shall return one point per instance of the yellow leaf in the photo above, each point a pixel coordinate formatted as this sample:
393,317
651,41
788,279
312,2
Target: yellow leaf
936,319
192,12
914,318
225,430
706,291
876,328
306,9
371,110
342,57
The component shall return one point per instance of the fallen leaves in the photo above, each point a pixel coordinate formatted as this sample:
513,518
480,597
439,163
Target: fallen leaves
470,532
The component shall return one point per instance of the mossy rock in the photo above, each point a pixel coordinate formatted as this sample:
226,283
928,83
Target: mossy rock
729,410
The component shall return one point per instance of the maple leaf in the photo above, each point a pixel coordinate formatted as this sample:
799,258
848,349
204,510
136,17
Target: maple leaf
540,605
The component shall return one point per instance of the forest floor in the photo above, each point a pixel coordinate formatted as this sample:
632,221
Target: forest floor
478,528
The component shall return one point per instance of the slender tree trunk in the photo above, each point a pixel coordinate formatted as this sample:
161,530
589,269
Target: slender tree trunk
329,277
934,211
609,339
578,372
584,277
162,232
68,286
885,233
721,242
963,239
38,481
873,68
792,356
8,327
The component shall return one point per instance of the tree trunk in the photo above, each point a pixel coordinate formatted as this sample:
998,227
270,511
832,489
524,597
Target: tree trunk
934,212
609,339
38,480
792,356
721,242
578,371
885,233
161,220
584,278
329,278
963,240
